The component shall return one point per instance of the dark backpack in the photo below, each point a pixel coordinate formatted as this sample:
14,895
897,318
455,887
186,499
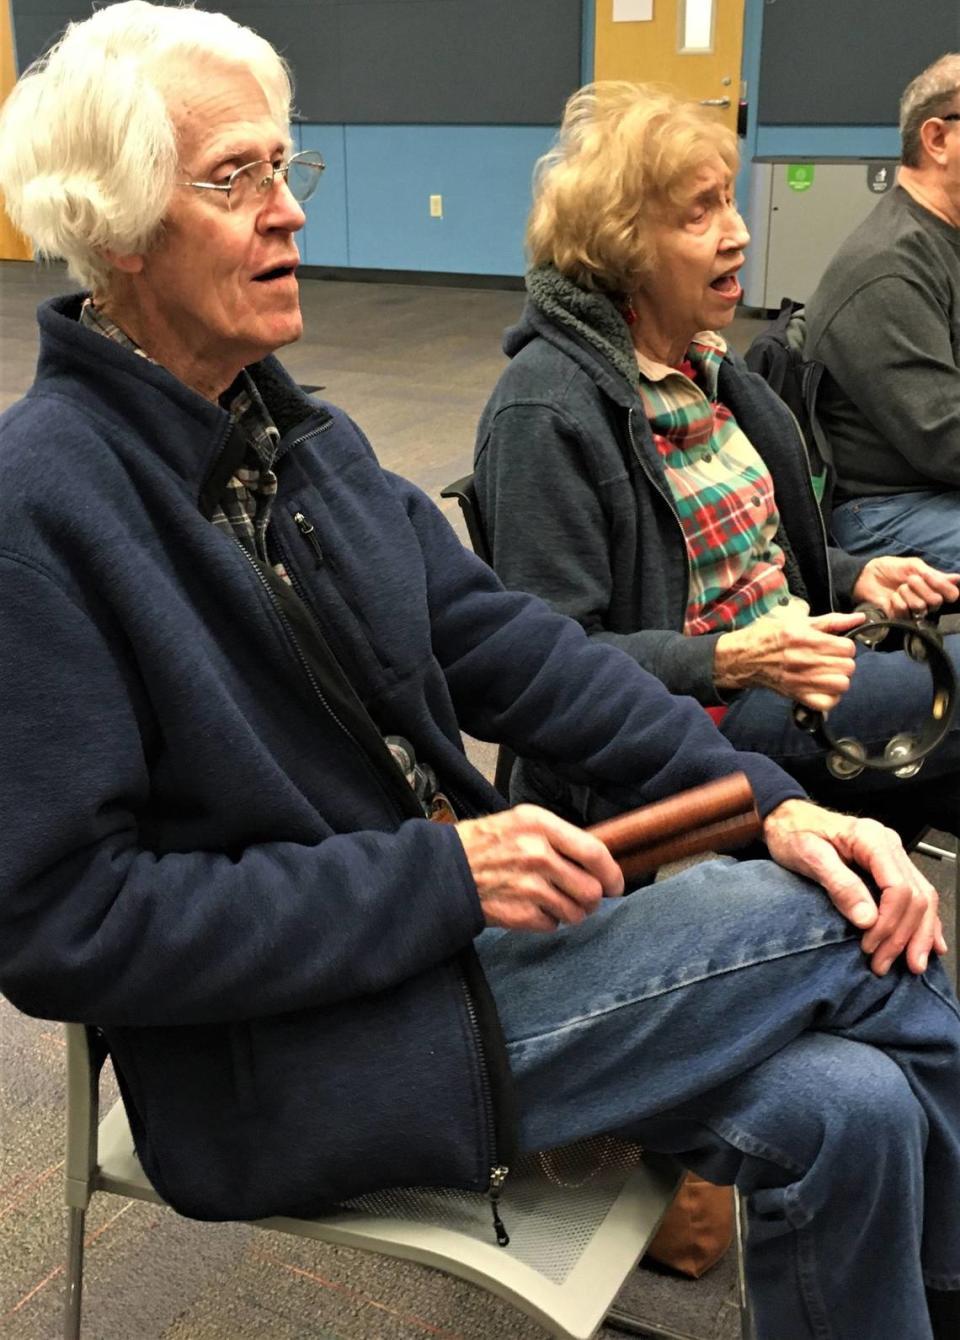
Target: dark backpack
777,355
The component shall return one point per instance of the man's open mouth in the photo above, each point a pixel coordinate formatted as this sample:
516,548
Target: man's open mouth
278,272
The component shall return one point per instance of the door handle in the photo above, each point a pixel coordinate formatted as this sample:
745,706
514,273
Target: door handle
714,102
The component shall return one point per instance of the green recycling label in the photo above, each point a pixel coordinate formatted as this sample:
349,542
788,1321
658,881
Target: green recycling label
799,176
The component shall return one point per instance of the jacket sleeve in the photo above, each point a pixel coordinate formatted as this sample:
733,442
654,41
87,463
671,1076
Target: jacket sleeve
556,541
95,926
889,349
523,675
844,570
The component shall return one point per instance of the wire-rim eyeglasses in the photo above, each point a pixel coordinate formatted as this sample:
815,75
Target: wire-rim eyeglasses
301,172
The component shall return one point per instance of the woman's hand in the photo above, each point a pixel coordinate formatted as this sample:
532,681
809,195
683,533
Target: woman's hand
798,657
534,871
823,846
905,587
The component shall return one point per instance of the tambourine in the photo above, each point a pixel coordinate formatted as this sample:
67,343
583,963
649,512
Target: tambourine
903,754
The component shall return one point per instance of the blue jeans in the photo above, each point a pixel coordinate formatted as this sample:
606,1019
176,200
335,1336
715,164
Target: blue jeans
889,693
925,523
727,1016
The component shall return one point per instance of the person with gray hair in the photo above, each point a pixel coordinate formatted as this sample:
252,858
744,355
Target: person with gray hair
885,323
241,834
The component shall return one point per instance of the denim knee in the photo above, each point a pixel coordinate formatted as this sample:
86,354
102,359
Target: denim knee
853,1125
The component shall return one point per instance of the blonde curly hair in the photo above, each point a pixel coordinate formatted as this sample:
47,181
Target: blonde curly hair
624,157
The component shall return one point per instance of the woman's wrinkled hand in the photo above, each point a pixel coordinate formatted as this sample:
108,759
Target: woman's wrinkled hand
798,657
904,588
534,871
829,848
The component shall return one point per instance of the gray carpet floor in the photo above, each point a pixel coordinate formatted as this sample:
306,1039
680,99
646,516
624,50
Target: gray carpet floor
414,366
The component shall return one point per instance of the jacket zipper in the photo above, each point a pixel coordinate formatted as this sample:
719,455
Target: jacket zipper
498,1171
304,663
309,532
306,528
664,494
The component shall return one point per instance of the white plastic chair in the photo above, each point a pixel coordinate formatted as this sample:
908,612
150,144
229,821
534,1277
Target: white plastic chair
575,1236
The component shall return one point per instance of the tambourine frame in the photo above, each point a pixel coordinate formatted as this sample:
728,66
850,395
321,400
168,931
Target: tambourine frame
903,753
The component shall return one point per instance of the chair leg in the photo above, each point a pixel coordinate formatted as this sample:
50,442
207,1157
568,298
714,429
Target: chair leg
623,1321
74,1274
740,1233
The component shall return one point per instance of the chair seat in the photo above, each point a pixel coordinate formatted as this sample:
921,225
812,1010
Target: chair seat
578,1222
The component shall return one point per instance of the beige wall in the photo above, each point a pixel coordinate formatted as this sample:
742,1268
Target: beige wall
13,246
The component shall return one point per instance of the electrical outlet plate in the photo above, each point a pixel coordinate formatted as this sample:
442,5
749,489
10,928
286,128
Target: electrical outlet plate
436,207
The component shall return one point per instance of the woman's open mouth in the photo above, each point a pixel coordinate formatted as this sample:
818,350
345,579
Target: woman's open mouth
728,286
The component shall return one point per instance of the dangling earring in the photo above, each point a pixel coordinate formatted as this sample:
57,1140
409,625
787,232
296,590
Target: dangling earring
628,312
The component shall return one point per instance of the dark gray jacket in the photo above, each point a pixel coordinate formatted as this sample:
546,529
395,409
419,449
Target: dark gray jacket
578,509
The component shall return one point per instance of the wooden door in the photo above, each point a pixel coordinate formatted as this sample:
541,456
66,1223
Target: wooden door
13,246
657,50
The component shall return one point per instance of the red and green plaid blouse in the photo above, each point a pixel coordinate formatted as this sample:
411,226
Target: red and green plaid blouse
722,492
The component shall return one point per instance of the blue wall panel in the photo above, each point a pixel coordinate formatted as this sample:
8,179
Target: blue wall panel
324,239
483,174
809,142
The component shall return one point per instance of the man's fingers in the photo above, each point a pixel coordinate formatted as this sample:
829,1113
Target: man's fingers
577,861
533,870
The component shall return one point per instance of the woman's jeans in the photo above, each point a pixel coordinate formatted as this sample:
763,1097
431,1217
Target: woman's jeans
727,1016
925,523
889,694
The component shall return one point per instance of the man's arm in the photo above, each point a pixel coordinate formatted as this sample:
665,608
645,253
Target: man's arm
521,674
889,350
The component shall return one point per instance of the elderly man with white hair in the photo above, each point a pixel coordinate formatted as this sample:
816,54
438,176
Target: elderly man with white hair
885,322
241,835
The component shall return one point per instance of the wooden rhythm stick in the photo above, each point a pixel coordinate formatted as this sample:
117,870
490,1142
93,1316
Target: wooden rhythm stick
717,816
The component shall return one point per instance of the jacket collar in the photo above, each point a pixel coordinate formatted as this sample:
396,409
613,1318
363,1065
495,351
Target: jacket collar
586,327
186,431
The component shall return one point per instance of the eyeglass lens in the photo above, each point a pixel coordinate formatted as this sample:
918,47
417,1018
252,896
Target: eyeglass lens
302,176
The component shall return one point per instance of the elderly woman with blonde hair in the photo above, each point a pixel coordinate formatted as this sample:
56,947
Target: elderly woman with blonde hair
634,473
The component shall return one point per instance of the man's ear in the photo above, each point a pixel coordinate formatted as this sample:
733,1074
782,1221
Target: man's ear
128,265
933,137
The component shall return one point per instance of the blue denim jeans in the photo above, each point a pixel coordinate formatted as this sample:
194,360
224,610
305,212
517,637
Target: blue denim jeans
889,694
926,523
728,1016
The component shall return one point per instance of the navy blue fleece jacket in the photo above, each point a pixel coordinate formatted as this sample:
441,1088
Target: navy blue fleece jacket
198,857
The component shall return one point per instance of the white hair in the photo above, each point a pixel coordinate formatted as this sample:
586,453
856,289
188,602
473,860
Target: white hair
88,150
931,94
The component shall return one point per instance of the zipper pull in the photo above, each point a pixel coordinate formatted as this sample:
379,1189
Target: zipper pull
306,529
498,1176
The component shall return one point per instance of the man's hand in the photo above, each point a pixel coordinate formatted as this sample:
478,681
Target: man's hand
905,587
534,871
822,845
798,657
